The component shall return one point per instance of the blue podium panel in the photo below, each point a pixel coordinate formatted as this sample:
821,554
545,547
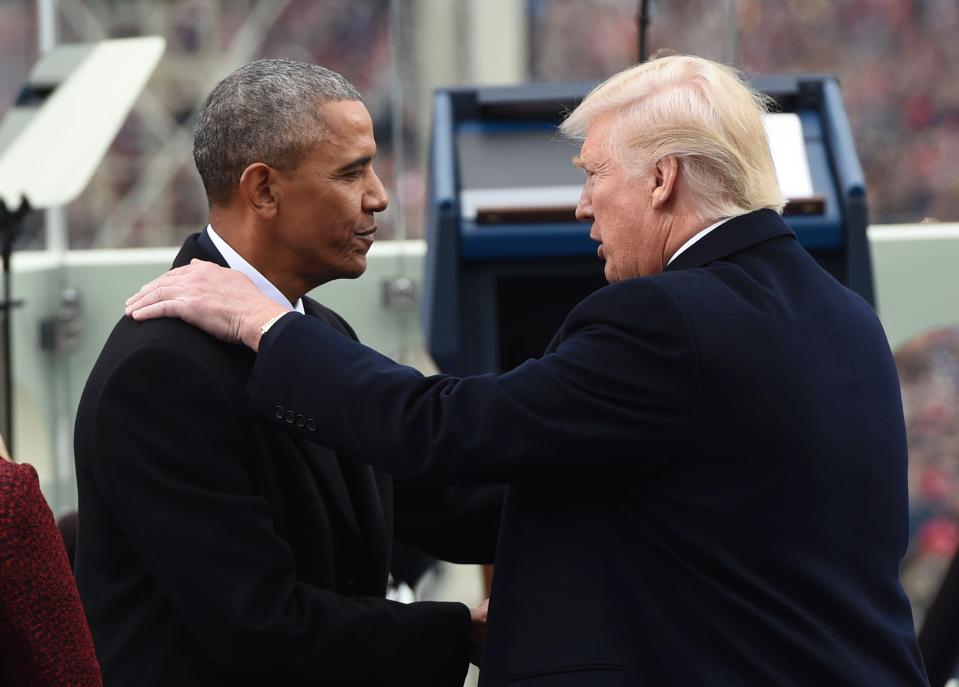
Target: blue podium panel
508,260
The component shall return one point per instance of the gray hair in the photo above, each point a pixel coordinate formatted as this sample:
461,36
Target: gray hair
265,111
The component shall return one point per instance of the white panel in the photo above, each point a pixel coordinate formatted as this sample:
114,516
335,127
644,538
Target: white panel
57,152
788,147
531,197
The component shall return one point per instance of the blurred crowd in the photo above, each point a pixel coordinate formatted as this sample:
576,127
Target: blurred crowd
897,60
929,373
147,192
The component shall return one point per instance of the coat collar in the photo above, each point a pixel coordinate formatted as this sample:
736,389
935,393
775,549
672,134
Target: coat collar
198,246
735,235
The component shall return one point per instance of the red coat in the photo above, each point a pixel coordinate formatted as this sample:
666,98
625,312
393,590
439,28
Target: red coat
44,637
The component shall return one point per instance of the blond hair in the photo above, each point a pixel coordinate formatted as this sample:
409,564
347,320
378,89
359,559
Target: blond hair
702,113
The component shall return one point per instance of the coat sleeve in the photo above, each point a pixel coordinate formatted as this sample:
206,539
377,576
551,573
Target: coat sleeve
172,461
456,524
616,395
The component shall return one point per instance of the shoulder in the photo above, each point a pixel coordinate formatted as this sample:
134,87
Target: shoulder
644,302
168,339
17,478
165,358
128,334
20,496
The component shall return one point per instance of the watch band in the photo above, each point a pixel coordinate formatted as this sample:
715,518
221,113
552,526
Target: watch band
270,322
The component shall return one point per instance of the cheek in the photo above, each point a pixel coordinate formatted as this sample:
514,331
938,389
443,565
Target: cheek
611,204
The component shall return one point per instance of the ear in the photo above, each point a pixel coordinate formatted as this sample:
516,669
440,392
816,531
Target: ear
666,175
258,189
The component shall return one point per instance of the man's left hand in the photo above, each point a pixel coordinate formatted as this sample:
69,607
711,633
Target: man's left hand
222,302
478,634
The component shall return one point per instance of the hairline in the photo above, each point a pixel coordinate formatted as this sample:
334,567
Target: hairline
266,111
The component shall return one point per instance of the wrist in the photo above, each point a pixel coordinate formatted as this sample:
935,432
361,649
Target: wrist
260,323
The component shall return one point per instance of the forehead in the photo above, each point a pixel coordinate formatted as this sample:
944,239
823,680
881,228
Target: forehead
595,146
347,130
346,116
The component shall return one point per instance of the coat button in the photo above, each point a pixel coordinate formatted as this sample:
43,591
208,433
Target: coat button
290,416
300,421
278,412
311,425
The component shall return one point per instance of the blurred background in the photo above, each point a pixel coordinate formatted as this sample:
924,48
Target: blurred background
897,60
147,193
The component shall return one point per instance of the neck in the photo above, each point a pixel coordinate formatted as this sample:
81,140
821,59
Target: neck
252,243
680,229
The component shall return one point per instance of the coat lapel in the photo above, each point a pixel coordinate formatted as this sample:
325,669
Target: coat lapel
733,236
359,480
350,487
325,467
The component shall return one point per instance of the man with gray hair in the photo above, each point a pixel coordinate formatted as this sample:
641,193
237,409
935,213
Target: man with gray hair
214,547
706,468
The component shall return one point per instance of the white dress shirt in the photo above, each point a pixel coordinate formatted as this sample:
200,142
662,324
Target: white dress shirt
236,262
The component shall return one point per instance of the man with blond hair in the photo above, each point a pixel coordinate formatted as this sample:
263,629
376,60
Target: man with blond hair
707,466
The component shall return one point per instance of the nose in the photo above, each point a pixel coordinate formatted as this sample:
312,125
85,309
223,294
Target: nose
584,209
375,199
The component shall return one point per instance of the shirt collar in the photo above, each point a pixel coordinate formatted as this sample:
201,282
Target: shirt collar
236,262
697,236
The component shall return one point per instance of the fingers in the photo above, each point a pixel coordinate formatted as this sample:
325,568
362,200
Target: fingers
479,613
222,302
161,289
180,277
163,308
168,278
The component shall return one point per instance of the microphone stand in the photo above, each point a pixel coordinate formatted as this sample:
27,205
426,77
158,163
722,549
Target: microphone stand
10,226
642,26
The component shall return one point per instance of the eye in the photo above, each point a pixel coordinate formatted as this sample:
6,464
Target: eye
353,174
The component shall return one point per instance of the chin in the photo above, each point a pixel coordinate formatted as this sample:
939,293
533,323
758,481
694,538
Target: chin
361,267
355,271
352,267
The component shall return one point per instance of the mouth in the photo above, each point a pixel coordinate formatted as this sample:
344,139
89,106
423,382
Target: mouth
365,232
600,253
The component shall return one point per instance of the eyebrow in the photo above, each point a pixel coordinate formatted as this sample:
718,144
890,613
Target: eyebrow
353,164
578,162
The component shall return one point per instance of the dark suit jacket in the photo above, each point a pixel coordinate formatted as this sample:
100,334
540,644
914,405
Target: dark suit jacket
44,638
707,467
217,549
